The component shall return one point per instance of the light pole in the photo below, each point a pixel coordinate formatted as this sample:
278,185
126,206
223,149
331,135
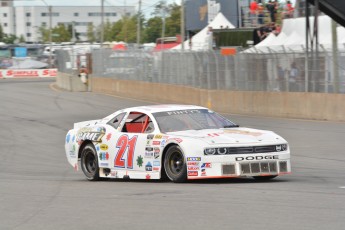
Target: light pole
182,25
102,23
50,31
50,36
138,26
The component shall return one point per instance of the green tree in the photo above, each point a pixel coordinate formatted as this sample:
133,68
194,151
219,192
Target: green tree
125,30
2,34
44,33
90,32
21,39
9,38
173,22
116,29
153,29
108,31
61,34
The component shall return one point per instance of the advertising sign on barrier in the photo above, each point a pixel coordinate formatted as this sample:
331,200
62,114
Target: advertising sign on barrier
27,73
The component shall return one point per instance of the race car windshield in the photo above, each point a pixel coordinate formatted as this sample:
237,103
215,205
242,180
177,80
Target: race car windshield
193,119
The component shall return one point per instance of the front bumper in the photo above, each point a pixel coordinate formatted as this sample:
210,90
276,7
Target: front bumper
238,166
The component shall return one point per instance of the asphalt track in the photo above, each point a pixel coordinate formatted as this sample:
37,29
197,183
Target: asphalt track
40,190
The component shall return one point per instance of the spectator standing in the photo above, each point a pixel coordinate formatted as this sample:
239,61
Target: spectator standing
281,78
83,74
271,10
210,39
261,14
290,9
253,8
293,77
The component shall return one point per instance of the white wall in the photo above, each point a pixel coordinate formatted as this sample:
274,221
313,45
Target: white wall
18,25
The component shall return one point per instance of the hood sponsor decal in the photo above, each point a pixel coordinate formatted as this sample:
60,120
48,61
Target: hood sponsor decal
242,132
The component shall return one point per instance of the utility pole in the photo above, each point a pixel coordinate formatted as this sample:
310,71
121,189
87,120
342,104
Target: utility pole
182,25
126,20
335,57
102,23
50,35
139,26
163,23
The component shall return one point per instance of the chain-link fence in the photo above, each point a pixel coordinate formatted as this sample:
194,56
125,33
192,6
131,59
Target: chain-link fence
280,71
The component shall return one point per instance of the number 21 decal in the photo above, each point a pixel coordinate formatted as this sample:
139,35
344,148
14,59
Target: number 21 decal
124,143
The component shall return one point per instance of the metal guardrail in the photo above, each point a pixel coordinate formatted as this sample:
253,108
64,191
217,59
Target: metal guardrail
285,72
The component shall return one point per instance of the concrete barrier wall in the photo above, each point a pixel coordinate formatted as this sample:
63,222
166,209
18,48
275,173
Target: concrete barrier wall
318,106
70,82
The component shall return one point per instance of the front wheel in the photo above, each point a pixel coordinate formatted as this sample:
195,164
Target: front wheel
89,162
175,164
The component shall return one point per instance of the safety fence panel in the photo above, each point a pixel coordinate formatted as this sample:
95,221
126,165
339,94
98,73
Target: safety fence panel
275,71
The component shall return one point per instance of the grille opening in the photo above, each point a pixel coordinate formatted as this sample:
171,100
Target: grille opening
283,166
256,168
265,168
273,167
228,169
245,168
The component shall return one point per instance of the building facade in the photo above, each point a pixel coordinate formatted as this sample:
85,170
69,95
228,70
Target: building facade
26,20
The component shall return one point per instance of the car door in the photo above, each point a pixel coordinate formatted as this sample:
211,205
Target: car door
130,141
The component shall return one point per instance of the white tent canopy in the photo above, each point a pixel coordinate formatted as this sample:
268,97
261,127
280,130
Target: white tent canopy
293,36
200,41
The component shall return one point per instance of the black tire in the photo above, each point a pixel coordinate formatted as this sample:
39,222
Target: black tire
89,162
264,178
175,164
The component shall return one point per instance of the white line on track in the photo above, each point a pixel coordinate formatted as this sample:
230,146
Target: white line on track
342,187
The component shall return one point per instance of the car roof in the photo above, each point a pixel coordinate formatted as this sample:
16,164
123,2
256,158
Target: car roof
162,108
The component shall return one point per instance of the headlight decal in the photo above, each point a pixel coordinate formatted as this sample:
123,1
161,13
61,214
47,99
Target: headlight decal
245,150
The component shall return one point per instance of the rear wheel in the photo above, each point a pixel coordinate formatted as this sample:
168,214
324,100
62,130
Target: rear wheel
264,178
89,162
175,164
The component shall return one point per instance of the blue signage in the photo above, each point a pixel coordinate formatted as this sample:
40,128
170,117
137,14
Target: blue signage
20,51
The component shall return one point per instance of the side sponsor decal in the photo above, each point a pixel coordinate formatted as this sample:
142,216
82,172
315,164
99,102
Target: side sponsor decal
103,147
103,156
148,166
72,152
203,172
94,135
108,136
193,158
158,136
193,168
156,142
140,161
125,145
156,163
156,152
192,173
206,165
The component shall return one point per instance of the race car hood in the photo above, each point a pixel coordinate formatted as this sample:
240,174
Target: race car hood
85,123
231,135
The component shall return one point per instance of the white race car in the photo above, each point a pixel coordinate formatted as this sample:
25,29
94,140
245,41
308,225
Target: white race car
178,142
